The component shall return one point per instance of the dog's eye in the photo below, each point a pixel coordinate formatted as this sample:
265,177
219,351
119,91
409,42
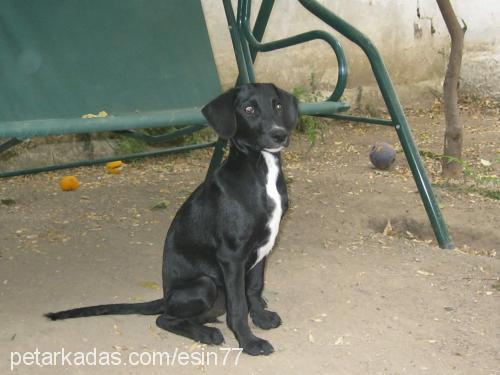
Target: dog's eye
278,107
249,110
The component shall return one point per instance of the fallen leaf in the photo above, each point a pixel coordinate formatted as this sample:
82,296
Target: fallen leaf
150,285
117,329
388,231
410,235
486,163
160,204
425,273
339,341
101,114
311,338
195,346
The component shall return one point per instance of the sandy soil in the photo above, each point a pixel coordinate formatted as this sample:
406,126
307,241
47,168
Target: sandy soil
353,300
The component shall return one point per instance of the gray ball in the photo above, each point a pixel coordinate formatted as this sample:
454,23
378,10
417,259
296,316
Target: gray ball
382,155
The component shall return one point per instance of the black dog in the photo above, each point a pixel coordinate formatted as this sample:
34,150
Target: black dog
216,247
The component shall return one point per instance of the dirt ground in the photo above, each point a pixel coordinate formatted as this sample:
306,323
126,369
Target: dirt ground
353,300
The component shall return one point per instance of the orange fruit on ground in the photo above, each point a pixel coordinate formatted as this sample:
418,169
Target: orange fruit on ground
69,183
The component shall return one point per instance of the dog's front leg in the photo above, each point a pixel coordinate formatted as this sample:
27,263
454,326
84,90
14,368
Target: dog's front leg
237,309
261,317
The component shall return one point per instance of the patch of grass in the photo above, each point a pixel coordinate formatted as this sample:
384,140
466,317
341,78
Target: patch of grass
197,137
372,110
485,192
129,145
477,178
200,136
309,125
479,174
493,194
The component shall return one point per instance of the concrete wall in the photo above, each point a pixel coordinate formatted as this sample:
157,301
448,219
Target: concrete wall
414,49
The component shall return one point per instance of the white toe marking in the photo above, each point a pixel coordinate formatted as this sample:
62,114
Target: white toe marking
272,192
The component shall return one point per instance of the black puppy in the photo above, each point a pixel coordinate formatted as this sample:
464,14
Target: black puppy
216,247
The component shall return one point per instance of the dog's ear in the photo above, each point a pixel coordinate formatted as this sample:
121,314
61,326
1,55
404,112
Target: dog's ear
291,104
221,115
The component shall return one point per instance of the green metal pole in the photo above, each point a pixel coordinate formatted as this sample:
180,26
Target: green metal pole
261,23
256,45
260,27
369,120
243,11
10,143
397,115
81,163
246,73
244,76
235,38
155,139
217,156
158,119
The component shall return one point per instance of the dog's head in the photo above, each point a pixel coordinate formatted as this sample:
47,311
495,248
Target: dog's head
256,116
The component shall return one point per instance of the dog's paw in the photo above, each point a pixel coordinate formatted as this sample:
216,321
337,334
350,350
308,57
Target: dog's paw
256,346
210,336
266,319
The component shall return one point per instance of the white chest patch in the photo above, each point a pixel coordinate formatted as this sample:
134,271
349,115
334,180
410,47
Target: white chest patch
272,193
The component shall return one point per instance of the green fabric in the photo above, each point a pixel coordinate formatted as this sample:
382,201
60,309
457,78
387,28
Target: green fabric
66,58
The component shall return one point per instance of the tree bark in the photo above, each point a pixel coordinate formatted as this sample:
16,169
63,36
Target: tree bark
453,136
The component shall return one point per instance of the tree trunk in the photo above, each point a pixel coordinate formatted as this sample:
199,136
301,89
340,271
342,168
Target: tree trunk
453,135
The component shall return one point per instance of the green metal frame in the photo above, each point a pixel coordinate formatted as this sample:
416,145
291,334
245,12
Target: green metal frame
247,43
189,121
83,163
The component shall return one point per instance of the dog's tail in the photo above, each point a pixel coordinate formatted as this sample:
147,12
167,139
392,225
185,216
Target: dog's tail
145,308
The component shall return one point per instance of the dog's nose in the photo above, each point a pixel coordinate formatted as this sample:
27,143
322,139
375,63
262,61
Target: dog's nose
279,135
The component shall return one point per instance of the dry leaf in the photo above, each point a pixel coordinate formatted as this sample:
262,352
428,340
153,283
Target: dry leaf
101,114
425,273
486,163
150,285
410,235
117,329
195,346
339,341
311,338
160,204
388,231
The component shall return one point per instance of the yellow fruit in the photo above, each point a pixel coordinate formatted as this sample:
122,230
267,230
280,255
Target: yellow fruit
69,183
115,167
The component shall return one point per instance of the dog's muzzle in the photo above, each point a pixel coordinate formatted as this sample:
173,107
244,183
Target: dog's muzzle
279,139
